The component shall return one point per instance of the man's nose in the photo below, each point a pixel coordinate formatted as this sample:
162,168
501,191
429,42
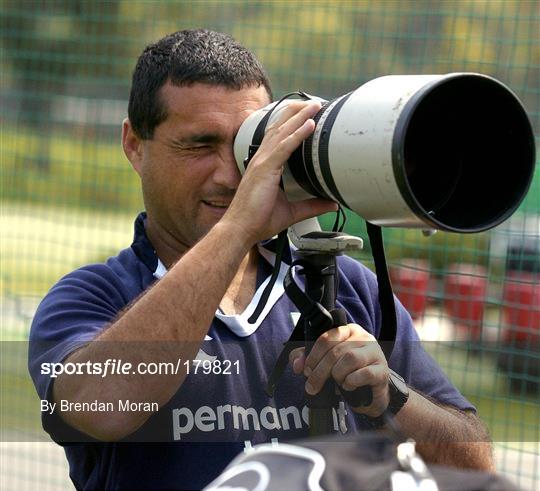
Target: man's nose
227,173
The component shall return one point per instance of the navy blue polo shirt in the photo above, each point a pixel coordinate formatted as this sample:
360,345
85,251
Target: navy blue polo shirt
213,416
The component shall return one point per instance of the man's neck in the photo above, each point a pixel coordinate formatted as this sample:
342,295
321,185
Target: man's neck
168,249
242,287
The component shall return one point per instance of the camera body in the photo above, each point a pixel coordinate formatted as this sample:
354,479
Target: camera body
452,152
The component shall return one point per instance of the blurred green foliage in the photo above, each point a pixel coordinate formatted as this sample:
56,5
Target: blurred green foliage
69,194
62,57
329,46
87,49
79,171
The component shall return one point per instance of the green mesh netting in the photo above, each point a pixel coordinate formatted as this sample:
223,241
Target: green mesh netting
69,195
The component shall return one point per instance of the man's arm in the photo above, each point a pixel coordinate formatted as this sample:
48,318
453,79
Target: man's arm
169,321
353,358
165,324
446,435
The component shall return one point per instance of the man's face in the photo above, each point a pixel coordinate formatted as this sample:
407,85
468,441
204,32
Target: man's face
188,171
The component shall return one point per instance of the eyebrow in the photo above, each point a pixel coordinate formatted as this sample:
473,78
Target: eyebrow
197,138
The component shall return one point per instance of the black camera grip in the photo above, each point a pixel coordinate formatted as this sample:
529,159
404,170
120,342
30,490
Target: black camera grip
362,396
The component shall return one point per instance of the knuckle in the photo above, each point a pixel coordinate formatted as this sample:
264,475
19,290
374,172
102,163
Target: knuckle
334,355
274,129
296,353
325,342
283,147
372,373
370,337
353,358
297,104
349,382
368,372
339,333
325,335
338,374
343,332
361,333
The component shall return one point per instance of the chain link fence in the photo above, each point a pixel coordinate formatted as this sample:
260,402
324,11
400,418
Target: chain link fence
69,195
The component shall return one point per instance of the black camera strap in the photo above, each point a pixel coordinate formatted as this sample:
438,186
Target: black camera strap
256,141
314,313
388,330
259,132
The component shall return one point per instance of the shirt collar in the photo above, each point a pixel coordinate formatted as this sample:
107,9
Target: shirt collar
238,324
144,250
141,245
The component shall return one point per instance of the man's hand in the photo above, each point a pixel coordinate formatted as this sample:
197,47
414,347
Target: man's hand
353,358
260,208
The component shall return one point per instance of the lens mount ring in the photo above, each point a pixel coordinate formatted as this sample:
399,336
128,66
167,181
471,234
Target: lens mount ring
314,148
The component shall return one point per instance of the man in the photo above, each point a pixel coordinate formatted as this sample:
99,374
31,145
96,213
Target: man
204,237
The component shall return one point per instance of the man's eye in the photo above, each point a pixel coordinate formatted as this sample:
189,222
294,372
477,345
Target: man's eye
198,148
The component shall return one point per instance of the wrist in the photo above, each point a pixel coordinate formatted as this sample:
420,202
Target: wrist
234,235
246,231
398,397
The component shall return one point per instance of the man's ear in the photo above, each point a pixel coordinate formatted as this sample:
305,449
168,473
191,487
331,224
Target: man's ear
132,145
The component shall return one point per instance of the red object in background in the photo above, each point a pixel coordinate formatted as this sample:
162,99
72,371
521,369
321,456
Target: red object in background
465,294
410,282
521,304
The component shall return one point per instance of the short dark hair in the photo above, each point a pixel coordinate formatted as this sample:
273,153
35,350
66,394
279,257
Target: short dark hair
184,58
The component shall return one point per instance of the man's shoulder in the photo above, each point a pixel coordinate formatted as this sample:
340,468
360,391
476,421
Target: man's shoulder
118,279
90,296
130,269
125,267
352,265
